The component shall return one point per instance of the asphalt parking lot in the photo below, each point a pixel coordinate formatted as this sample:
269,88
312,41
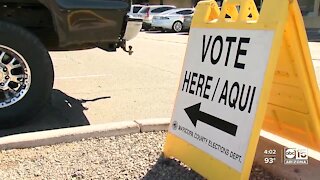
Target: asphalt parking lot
93,86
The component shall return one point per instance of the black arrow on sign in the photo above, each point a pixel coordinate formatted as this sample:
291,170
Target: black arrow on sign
196,115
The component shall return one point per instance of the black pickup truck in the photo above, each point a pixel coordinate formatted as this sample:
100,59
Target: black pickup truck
29,28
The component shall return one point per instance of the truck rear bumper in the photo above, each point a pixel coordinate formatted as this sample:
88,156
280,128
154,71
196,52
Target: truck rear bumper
134,26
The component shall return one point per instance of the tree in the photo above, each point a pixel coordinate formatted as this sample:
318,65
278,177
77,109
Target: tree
140,1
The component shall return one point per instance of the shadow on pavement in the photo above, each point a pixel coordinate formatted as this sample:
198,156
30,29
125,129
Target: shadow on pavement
184,33
159,32
64,111
313,34
166,168
168,32
314,40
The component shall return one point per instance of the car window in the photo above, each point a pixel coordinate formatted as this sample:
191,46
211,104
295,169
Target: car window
144,10
136,9
185,12
172,11
161,9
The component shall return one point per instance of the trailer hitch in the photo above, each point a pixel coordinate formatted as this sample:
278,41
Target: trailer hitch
124,48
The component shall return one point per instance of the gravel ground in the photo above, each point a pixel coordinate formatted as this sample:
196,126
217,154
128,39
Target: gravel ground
136,156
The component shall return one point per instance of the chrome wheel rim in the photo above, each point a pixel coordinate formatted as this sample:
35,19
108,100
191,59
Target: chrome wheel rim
15,77
177,26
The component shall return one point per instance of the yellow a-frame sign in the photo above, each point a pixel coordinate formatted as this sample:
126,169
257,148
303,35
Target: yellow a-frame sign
243,71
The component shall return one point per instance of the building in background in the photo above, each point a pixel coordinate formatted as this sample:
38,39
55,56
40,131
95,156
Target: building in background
310,11
178,3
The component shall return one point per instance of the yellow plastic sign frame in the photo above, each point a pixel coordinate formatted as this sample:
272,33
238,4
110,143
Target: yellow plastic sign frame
293,110
284,18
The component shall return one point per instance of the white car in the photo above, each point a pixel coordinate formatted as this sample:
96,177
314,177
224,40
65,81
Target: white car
172,19
147,13
135,8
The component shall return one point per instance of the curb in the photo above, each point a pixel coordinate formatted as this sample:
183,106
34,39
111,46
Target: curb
147,125
66,135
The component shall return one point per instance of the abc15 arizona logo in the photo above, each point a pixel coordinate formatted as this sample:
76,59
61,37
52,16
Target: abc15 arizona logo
295,156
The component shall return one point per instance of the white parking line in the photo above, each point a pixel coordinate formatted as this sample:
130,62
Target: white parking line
86,76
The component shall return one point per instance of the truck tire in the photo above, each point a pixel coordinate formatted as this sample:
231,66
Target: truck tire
26,75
